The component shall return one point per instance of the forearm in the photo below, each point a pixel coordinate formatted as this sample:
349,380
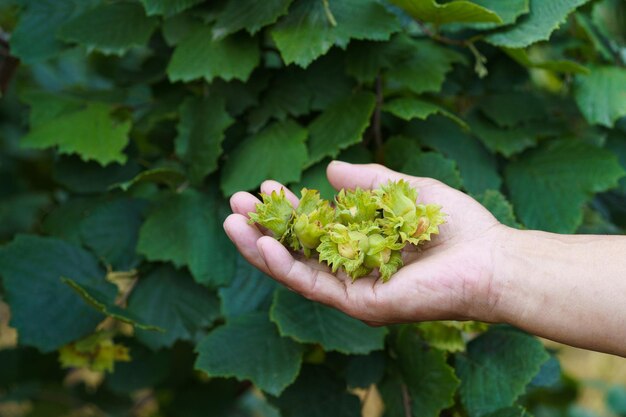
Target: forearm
568,288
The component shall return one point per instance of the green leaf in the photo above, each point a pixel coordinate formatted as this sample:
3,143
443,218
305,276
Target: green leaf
591,30
499,206
217,397
562,65
550,375
502,360
45,312
430,381
616,143
340,125
477,166
296,91
277,152
317,393
145,370
327,80
103,303
92,132
179,27
616,399
424,69
507,141
171,177
516,411
65,220
310,30
508,11
310,322
200,134
442,336
167,7
450,12
110,28
314,178
607,17
596,223
366,59
287,95
433,165
544,18
249,347
172,229
46,107
93,178
169,299
239,96
20,212
601,96
111,231
550,185
503,108
199,56
409,108
34,38
250,290
251,15
365,370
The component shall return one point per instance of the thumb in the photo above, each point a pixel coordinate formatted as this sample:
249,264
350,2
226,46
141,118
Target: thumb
367,176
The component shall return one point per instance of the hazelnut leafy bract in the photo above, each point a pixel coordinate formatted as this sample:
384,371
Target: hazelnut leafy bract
364,230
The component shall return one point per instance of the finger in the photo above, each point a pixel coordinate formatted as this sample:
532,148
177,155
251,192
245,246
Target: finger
368,176
312,283
243,203
245,237
268,186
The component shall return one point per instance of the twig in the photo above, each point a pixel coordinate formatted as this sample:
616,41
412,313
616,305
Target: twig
406,401
378,136
439,38
142,401
8,64
481,60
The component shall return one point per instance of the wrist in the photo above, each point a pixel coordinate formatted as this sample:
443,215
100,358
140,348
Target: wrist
506,298
524,263
487,289
560,287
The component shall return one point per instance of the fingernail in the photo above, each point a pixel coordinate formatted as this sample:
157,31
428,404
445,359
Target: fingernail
339,163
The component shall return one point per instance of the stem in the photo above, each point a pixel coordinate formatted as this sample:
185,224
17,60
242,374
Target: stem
182,187
439,38
481,60
8,64
329,13
378,136
376,122
142,401
406,401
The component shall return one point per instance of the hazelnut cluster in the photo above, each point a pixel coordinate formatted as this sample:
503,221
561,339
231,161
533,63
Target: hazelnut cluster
363,230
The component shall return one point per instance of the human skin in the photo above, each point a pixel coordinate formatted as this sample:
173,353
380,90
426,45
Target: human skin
568,288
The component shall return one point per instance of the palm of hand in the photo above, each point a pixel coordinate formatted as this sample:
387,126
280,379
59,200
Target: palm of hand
448,278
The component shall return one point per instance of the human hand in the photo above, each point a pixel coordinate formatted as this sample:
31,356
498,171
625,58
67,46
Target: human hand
449,278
